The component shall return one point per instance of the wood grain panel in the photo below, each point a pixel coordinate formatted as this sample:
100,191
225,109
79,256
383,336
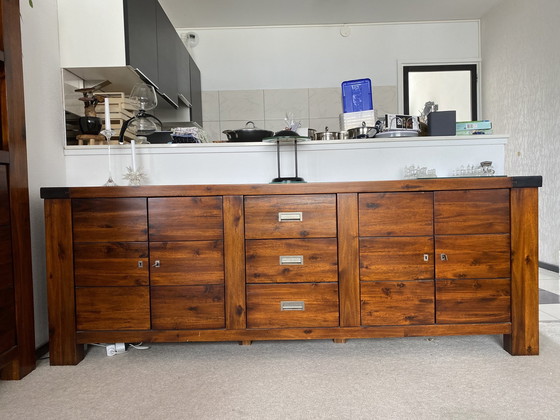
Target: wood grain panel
398,302
318,216
524,338
187,263
319,260
234,262
264,305
473,256
185,218
472,301
110,220
6,273
7,319
4,196
111,264
396,214
303,333
348,260
188,307
471,211
397,258
63,347
405,185
113,308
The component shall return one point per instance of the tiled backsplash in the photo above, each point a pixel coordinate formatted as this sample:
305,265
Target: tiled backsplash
315,108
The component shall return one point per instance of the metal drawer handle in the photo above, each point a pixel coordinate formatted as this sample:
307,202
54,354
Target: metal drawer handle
290,216
290,305
291,259
156,264
443,257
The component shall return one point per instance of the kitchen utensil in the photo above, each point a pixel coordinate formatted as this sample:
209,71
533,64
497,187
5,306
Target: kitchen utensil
397,133
361,132
248,134
328,135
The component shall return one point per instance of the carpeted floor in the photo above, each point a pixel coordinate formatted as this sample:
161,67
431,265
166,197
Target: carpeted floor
409,378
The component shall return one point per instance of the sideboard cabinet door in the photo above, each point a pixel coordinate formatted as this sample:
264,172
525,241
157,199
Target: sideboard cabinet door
396,258
111,264
473,257
187,262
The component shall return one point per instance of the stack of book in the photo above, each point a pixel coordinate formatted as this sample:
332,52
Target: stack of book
468,128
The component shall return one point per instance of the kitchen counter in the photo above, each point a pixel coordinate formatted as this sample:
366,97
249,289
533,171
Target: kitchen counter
319,161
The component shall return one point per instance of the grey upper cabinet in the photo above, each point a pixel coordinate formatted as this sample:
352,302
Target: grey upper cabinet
196,92
167,56
183,74
151,47
141,42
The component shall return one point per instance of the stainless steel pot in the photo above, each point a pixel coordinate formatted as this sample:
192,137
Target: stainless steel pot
248,133
362,132
327,135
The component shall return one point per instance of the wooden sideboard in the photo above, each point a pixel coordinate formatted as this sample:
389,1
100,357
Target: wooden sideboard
450,256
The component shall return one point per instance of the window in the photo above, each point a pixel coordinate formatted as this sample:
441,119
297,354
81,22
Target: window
450,86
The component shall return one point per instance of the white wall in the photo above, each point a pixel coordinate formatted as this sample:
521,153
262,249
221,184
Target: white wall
44,117
319,56
521,94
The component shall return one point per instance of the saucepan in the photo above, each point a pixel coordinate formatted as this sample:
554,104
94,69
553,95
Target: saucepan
362,132
248,133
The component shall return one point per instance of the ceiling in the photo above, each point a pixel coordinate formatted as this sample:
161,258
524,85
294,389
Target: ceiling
227,13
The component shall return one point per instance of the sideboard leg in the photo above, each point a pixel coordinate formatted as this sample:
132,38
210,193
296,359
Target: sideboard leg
63,348
245,343
524,337
340,340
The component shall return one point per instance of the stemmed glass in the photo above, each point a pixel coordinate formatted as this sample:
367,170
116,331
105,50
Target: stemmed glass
108,133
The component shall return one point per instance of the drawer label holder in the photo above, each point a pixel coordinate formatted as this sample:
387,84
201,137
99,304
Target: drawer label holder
292,305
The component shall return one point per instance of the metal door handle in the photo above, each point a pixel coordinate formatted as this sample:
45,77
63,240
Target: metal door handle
443,257
156,264
290,216
291,259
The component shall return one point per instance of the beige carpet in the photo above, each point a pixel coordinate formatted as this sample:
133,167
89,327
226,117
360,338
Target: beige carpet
409,378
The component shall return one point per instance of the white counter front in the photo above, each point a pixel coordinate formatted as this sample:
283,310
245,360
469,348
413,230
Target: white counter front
318,161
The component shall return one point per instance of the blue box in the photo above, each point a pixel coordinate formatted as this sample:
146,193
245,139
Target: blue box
356,95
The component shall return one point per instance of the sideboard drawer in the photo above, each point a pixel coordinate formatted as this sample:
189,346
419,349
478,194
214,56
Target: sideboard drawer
291,260
113,308
188,307
185,218
109,219
292,305
290,216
